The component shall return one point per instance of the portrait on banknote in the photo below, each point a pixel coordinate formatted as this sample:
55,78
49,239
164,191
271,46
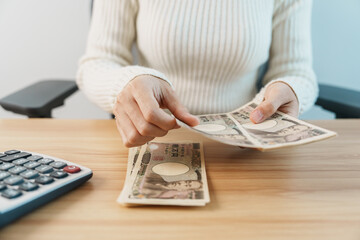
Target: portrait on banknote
154,186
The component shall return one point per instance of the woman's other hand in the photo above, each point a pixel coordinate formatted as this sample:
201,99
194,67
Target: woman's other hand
139,114
278,97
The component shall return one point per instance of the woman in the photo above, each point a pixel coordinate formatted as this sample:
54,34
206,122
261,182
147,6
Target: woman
202,54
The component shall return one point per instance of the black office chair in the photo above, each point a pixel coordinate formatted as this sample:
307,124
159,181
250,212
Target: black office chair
38,100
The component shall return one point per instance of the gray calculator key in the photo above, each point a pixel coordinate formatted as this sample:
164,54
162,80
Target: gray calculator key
44,179
12,152
20,161
44,169
6,166
28,186
11,193
13,180
4,175
34,158
46,161
58,164
17,170
59,174
2,155
2,187
32,164
13,157
29,174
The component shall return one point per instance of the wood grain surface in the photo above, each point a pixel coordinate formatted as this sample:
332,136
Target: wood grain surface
305,192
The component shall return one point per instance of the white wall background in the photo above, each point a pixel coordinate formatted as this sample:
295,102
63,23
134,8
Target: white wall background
336,46
42,39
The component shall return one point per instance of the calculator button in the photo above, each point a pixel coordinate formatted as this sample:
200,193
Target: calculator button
28,186
13,180
6,166
34,158
72,169
13,157
32,164
11,193
44,169
59,174
2,187
12,152
29,174
17,170
58,164
20,161
44,179
2,155
4,175
46,161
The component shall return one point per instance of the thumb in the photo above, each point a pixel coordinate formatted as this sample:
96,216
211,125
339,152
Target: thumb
178,110
264,110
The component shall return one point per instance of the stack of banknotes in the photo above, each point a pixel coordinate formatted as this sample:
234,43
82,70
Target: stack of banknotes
168,173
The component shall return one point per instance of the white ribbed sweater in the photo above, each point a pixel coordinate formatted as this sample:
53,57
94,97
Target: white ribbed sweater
209,50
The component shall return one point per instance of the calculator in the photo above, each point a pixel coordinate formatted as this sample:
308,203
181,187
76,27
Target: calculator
29,180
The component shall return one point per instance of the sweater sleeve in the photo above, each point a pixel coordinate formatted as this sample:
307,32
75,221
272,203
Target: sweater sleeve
107,67
290,52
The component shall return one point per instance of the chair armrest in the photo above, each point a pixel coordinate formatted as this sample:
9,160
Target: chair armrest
38,99
345,103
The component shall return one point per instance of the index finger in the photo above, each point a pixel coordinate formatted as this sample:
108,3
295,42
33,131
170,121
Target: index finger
152,112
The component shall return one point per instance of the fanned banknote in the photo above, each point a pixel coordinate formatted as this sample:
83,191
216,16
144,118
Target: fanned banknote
223,128
236,128
166,174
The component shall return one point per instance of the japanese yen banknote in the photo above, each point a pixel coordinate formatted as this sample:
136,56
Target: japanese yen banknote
166,174
236,128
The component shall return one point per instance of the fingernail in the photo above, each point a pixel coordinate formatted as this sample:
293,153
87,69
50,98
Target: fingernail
257,115
197,119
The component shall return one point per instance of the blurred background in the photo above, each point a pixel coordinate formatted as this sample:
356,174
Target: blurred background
42,39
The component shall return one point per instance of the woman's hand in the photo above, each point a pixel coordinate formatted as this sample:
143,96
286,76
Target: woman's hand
278,97
138,113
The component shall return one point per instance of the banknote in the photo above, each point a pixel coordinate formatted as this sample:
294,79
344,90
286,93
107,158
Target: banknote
167,174
279,130
223,128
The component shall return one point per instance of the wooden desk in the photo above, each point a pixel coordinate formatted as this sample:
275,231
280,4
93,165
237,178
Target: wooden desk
305,192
